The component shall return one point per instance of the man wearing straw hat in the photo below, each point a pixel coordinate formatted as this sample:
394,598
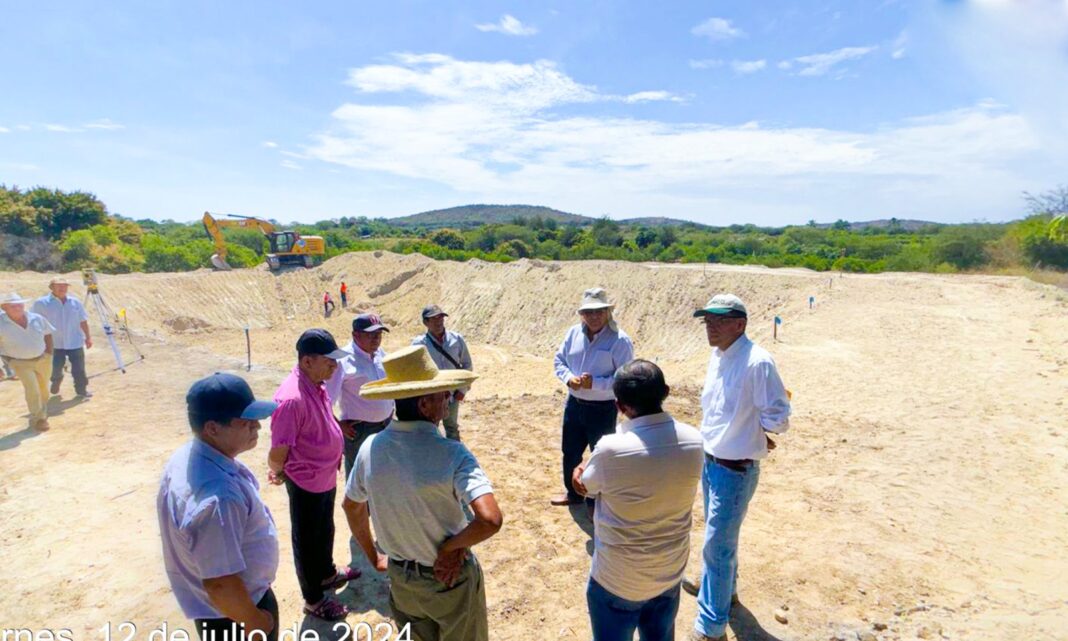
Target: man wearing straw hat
590,354
68,316
26,343
419,487
743,399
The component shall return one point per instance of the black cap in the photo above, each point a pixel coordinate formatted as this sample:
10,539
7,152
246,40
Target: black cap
319,342
368,323
430,311
222,397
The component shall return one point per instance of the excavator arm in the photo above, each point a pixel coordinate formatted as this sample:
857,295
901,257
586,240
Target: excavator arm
214,227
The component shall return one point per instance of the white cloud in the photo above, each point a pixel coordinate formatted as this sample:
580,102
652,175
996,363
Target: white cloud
710,63
785,65
748,66
269,144
652,96
464,131
897,47
508,25
289,164
717,29
104,123
819,64
61,129
4,130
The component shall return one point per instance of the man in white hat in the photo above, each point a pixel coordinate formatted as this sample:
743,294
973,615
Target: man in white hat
591,352
68,316
743,399
448,351
26,343
419,487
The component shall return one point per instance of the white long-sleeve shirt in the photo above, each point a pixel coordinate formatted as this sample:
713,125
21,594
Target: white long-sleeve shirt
600,357
743,397
344,386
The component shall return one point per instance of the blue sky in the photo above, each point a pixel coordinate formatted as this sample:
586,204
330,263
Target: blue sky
769,112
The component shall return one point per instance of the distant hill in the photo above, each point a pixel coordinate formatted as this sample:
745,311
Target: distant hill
475,215
660,221
905,224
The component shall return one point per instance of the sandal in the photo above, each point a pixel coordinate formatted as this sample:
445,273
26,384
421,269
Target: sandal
341,577
329,609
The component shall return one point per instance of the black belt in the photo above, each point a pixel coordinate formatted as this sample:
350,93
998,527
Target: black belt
583,401
412,565
741,465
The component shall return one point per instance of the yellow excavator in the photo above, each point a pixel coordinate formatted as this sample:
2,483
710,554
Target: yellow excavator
287,247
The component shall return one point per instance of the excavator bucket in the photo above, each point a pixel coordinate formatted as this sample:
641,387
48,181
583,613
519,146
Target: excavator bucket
219,263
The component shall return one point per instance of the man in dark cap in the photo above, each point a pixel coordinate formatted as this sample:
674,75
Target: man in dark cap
306,447
220,545
448,350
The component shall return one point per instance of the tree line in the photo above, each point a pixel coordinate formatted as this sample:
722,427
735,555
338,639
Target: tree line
48,229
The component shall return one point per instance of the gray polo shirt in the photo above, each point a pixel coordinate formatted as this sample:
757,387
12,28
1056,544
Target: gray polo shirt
416,482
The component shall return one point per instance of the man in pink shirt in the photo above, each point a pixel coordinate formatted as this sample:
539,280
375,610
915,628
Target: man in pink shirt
306,447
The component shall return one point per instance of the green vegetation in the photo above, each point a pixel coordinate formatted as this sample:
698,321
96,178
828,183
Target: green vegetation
46,229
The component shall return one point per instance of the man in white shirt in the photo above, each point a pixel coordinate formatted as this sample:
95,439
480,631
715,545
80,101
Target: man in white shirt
448,350
68,316
360,417
644,478
742,400
591,352
26,343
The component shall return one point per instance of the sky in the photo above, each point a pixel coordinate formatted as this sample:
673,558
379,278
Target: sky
772,112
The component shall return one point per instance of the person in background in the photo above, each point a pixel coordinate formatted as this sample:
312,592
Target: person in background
220,544
328,304
449,351
71,338
344,295
306,449
5,369
590,354
360,417
430,503
743,399
26,343
644,477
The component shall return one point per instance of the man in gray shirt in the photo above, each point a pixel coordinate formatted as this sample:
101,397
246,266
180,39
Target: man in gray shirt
448,350
415,484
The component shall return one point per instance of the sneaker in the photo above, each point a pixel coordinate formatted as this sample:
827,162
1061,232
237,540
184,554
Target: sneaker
85,394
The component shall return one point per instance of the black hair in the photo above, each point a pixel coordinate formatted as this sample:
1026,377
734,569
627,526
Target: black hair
640,385
408,409
198,421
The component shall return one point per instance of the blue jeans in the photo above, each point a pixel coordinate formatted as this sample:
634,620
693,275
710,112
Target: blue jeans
615,619
727,493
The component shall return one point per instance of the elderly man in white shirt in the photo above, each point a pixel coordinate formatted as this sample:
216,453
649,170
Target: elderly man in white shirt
644,477
68,316
590,354
360,417
448,350
26,343
743,399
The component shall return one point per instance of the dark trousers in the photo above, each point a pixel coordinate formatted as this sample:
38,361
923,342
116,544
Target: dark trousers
614,618
312,517
352,445
77,368
585,422
229,630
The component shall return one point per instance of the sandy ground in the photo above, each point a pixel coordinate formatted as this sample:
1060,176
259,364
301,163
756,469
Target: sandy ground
923,485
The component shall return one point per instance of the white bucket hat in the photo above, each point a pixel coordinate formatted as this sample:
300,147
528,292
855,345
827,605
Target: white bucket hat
595,298
12,298
410,372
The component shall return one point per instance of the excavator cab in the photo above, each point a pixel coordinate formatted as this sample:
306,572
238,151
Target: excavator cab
282,242
287,247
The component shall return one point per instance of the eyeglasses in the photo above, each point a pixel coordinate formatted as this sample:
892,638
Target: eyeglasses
711,319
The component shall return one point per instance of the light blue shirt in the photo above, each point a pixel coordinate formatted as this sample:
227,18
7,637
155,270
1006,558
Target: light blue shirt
416,482
454,344
743,397
601,357
352,372
213,524
66,317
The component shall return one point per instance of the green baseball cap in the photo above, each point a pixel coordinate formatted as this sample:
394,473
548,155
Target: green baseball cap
723,304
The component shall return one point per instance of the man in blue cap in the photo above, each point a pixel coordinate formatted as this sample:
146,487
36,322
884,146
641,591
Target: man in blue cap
220,545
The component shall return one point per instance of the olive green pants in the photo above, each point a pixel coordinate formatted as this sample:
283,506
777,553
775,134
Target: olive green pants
436,612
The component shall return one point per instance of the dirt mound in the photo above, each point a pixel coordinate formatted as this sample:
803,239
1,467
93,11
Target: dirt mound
185,323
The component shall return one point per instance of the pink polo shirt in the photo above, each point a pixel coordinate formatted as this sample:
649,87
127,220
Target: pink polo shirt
305,422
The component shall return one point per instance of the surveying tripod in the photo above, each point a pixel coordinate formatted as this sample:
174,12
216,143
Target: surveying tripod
104,312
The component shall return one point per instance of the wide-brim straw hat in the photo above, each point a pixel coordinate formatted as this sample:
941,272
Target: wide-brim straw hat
12,298
595,298
410,372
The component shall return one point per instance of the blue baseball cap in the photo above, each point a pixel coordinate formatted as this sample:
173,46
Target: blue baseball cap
223,397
